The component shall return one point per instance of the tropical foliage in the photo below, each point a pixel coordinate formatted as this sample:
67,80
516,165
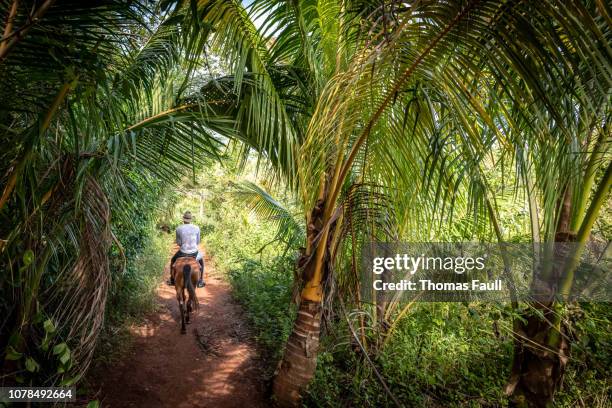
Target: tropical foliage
382,120
431,354
95,108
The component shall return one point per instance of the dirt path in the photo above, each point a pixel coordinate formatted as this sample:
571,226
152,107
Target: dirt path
214,365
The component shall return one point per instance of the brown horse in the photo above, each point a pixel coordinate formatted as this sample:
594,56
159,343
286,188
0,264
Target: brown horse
186,272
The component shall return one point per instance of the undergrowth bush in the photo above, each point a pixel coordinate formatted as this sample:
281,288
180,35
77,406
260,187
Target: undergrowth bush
437,355
132,294
450,355
264,289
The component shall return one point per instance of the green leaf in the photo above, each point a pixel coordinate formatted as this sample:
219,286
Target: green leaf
31,365
12,354
93,404
60,348
49,326
65,357
28,257
68,381
45,343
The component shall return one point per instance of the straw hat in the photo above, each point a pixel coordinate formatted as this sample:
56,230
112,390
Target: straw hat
187,216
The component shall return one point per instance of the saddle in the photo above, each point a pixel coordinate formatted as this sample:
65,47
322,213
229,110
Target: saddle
184,255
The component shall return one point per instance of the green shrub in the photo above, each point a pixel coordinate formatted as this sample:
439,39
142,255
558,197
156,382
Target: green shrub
132,295
264,289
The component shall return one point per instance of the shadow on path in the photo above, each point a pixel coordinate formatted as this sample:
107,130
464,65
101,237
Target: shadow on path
214,365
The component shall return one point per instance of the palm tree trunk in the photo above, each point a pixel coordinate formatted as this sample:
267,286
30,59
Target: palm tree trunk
541,350
540,353
300,359
538,366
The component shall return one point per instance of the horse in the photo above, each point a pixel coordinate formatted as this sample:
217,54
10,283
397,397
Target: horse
188,279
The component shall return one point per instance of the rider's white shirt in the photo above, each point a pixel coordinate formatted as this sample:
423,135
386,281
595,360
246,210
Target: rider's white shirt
188,238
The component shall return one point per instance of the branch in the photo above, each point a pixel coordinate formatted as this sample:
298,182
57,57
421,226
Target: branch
9,24
367,357
19,33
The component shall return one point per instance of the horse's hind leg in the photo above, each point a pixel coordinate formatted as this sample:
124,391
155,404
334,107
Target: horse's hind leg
189,309
182,307
181,301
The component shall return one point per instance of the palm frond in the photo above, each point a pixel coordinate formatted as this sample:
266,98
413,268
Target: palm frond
260,113
262,204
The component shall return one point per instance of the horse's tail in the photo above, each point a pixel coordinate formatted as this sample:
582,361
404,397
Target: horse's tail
189,285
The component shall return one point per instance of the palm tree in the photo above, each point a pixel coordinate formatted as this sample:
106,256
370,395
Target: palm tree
381,117
411,105
94,93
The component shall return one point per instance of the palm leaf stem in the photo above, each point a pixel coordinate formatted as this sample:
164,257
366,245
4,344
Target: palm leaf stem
12,179
391,96
6,46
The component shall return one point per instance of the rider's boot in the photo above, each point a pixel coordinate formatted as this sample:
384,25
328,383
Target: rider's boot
201,282
171,280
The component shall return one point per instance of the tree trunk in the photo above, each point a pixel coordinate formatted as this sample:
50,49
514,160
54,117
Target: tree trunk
541,351
300,359
538,366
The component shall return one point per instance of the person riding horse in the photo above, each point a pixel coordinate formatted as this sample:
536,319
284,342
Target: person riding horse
188,238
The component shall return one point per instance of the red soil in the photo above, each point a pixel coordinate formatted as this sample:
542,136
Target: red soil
214,365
